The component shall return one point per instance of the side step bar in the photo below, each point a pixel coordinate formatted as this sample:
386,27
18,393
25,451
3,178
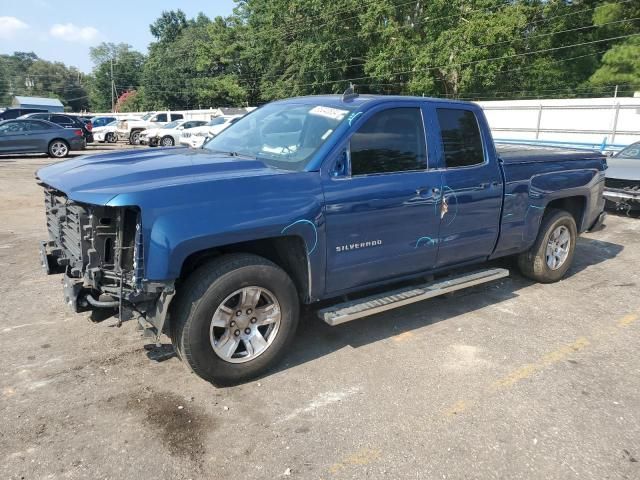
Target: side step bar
364,307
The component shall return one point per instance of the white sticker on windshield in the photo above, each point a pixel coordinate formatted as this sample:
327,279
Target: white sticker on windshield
328,112
327,133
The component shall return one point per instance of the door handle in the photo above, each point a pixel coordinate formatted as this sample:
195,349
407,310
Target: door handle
421,191
484,185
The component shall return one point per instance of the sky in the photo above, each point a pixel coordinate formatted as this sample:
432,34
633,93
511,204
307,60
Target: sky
62,30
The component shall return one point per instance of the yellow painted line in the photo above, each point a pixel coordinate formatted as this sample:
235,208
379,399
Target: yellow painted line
457,408
403,337
628,320
362,457
530,369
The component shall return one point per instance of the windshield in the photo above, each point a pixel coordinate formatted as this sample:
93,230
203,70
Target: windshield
173,124
216,121
283,135
632,151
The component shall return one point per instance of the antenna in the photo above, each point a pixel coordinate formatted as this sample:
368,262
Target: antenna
349,93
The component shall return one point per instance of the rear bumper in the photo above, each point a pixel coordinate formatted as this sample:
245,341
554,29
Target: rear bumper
79,143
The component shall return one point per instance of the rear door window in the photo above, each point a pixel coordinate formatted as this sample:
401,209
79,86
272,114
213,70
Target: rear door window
176,116
461,140
161,117
392,140
62,120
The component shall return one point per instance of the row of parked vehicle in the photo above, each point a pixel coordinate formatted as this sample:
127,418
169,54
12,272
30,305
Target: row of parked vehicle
165,129
39,131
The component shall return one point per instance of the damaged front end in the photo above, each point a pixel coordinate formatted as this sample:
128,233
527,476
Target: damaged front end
99,249
622,194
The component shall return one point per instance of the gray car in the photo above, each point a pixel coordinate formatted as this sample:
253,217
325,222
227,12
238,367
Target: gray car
622,185
39,136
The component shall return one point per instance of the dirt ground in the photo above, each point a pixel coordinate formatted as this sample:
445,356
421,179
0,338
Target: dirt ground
509,380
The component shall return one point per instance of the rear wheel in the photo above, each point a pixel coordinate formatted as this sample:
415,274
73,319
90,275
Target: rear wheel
552,253
167,141
111,137
134,137
234,317
58,148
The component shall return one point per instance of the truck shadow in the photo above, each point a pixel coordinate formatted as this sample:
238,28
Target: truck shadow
316,339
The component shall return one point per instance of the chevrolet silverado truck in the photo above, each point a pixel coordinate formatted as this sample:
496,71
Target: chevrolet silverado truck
322,198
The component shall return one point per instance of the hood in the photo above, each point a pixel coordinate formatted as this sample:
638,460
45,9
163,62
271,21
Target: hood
623,168
97,179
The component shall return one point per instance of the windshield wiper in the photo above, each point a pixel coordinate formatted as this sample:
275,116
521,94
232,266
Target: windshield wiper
232,154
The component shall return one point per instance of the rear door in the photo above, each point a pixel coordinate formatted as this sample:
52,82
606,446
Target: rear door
380,216
38,135
471,200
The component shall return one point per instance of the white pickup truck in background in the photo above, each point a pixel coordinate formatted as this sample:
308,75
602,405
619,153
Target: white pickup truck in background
129,130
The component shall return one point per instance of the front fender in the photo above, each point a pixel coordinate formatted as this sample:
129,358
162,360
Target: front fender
186,220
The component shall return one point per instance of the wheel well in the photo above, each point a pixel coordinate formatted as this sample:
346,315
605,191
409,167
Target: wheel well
288,252
57,140
574,205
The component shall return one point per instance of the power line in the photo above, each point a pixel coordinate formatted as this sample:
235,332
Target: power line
394,59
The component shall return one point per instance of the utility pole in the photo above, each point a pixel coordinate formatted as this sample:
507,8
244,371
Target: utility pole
113,87
615,92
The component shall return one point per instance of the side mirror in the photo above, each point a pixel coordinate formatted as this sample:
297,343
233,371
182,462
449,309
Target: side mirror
341,167
610,154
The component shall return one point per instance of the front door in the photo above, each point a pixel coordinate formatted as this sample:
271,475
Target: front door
380,204
13,137
471,188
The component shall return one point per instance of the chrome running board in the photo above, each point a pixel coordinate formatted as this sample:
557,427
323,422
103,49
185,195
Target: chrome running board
371,305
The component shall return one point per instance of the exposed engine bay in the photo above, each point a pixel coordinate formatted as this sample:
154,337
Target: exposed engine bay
100,252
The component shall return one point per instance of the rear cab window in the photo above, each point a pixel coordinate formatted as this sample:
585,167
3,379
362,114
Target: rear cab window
391,140
461,138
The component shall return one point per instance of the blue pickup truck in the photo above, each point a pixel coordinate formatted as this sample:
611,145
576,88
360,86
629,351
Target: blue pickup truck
308,199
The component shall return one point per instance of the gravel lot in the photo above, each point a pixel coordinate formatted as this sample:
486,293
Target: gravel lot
509,380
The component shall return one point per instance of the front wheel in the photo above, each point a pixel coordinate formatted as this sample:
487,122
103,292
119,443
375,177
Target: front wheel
234,317
111,137
552,253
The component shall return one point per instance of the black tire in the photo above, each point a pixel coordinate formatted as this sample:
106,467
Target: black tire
134,137
533,263
204,291
167,141
111,137
58,148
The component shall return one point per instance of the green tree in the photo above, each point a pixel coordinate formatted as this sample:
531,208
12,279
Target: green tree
127,68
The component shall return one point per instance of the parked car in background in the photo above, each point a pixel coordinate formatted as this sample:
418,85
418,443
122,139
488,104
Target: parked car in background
39,136
107,133
11,113
195,137
130,130
622,185
65,121
169,135
102,121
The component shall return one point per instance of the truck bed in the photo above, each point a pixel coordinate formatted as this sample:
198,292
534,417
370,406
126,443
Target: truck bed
537,175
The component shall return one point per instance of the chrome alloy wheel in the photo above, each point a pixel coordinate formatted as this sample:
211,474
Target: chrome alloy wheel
59,149
245,324
558,247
